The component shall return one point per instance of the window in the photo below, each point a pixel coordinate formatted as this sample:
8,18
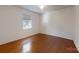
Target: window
27,22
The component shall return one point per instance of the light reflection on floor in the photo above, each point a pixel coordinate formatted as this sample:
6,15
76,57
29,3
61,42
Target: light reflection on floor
27,46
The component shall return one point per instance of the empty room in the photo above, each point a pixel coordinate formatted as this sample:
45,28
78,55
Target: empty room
39,28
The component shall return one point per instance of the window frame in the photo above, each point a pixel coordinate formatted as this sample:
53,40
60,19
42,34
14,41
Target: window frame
29,19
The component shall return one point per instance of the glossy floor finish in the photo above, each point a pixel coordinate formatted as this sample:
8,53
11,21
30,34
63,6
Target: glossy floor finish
40,43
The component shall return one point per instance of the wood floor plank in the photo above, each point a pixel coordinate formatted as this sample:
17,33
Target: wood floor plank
41,43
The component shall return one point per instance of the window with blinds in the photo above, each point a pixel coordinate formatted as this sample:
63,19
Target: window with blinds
27,22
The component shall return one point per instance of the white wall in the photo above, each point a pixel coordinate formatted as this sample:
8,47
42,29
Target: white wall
63,23
11,23
76,32
59,23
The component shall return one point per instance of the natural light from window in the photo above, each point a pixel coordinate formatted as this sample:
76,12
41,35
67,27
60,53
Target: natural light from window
27,46
27,22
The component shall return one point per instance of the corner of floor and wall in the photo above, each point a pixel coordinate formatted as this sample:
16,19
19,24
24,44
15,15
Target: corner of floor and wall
62,23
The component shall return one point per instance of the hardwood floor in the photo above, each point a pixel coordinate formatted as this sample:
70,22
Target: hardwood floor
40,43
